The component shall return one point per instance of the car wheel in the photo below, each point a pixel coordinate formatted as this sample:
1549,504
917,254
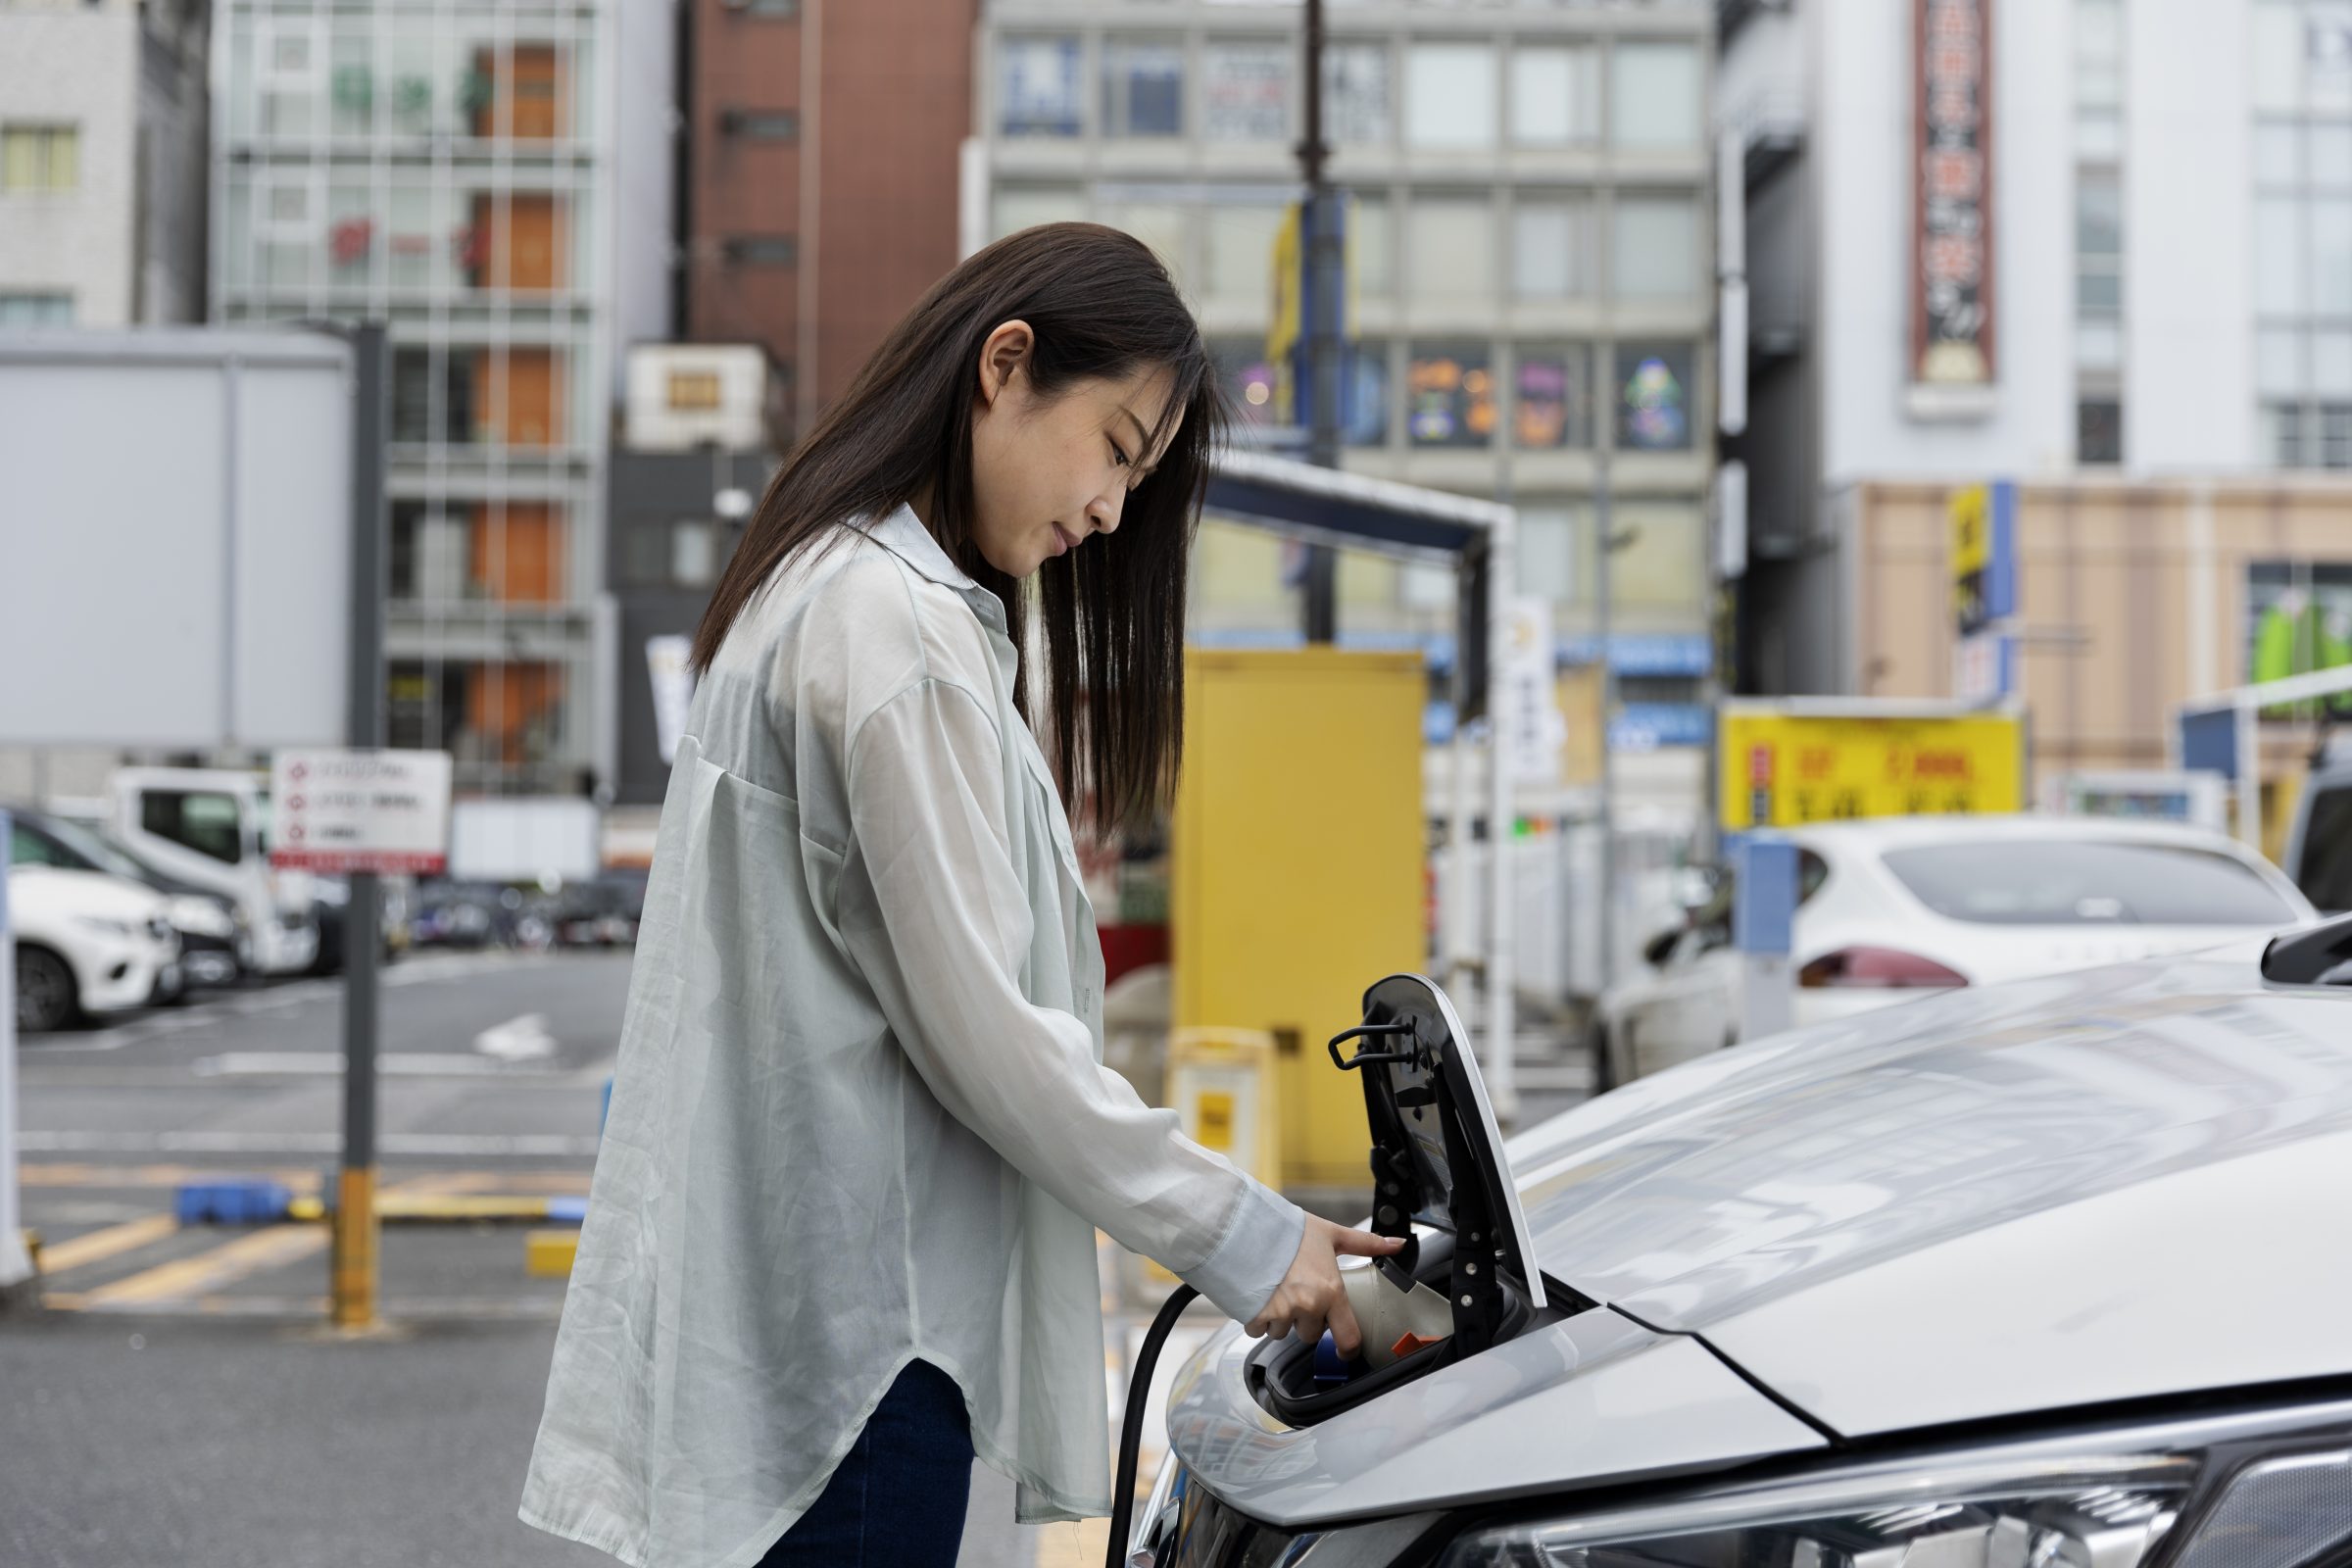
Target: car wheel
46,996
1604,1064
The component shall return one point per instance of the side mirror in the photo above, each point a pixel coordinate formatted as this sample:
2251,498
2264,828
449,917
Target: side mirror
1655,949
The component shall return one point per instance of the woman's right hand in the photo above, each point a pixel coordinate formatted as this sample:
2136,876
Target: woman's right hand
1310,1297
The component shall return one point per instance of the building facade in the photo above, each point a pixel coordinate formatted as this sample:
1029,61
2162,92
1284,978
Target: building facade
2162,194
453,172
102,163
1530,256
821,176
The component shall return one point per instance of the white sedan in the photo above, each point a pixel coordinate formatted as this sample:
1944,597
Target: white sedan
86,943
1904,906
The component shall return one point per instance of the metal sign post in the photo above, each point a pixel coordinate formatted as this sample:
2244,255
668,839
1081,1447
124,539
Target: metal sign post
15,1267
353,1271
1763,918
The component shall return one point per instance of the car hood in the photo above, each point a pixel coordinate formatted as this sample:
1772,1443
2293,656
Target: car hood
53,889
2099,1186
2060,1192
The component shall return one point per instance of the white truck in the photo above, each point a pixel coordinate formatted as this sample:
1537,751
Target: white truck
211,826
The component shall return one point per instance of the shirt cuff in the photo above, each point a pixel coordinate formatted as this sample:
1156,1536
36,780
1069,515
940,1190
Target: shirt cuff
1261,1239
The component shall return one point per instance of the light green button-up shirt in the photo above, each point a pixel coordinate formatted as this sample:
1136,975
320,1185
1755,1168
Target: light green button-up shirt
859,1114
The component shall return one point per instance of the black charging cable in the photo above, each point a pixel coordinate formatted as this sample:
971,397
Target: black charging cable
1131,1430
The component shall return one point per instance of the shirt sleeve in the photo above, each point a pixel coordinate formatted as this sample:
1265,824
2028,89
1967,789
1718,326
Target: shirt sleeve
933,913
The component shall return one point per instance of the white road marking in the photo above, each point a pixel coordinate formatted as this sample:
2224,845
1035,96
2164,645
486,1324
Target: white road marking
524,1039
291,1144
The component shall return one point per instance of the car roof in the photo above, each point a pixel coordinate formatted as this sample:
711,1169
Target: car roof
1902,832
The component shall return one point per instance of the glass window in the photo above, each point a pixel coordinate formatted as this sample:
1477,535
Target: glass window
40,157
1240,263
2099,430
1449,95
2278,154
1552,536
2098,133
2331,364
1371,245
1556,96
202,820
1662,564
1654,95
1450,248
35,308
1245,90
1449,396
1656,251
2331,150
2086,882
2278,362
2278,57
2283,434
2098,293
1143,88
1365,413
1247,376
2278,256
350,83
693,554
1358,94
2331,272
1018,206
1651,392
2098,343
1552,397
1037,86
1550,249
1158,225
2098,215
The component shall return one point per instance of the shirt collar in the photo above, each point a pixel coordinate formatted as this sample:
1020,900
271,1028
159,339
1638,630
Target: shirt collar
903,535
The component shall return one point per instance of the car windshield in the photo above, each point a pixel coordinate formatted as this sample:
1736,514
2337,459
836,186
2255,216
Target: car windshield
2327,869
99,852
2085,882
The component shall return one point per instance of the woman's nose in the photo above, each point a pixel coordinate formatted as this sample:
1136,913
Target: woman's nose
1104,509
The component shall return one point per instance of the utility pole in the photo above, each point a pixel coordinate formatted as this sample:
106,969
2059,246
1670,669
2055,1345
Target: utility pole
1326,261
354,1267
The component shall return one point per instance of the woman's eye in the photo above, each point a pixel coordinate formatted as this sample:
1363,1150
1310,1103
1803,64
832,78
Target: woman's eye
1120,455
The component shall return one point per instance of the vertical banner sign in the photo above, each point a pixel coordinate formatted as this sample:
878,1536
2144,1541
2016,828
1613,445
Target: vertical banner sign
1288,328
1983,520
1951,226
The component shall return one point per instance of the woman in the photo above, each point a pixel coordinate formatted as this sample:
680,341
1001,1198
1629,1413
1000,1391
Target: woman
841,1233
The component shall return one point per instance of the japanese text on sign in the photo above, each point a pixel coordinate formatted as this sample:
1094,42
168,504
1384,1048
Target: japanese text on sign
1951,316
360,811
1781,769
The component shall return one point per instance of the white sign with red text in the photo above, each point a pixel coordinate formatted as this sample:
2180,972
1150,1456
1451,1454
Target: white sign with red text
360,811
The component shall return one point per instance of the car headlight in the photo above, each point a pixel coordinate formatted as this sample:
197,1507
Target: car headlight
2237,1500
204,917
102,923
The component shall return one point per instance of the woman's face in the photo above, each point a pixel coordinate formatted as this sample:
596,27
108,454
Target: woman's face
1048,475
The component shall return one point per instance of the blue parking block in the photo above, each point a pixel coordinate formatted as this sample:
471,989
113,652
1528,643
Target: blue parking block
568,1210
248,1202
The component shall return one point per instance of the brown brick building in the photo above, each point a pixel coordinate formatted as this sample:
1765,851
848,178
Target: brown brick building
821,177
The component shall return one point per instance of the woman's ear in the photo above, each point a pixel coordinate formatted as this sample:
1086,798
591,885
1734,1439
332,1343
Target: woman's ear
1002,357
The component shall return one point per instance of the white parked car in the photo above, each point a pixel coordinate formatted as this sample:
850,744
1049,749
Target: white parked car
86,944
1894,909
2049,1274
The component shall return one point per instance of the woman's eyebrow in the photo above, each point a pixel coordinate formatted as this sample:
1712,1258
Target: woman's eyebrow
1143,436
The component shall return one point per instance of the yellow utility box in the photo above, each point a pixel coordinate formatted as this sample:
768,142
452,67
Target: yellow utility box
1296,870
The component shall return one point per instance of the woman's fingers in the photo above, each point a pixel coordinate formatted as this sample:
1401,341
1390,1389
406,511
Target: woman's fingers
1346,1336
1363,1244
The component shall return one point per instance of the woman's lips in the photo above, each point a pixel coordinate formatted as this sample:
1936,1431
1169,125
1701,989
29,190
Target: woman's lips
1064,540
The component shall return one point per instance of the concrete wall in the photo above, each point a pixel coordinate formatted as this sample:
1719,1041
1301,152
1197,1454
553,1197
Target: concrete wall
77,68
1863,141
2132,593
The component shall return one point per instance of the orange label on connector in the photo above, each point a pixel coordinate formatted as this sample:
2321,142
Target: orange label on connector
1408,1343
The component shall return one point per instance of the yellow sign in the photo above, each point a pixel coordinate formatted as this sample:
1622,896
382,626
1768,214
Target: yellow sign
1780,769
1971,517
1214,1110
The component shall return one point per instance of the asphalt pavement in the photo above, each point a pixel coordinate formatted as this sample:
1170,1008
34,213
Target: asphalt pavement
179,1401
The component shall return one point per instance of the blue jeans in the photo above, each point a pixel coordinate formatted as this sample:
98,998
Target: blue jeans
900,1493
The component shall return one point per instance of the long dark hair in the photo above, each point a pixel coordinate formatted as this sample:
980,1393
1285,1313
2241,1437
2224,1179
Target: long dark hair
1100,304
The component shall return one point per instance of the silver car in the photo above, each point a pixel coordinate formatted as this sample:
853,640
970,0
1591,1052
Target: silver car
2056,1272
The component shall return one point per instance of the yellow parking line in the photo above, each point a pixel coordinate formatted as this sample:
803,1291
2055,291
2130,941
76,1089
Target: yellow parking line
81,1250
213,1268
